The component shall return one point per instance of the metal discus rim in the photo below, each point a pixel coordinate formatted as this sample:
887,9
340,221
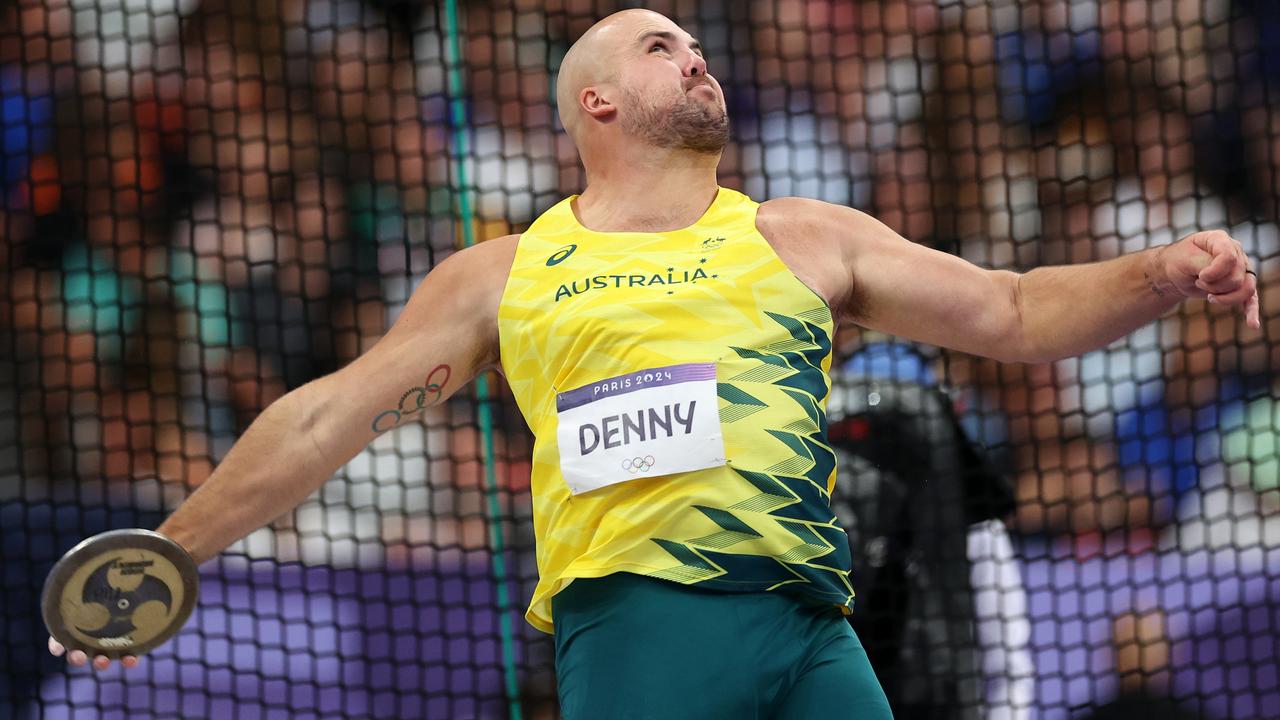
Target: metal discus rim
73,562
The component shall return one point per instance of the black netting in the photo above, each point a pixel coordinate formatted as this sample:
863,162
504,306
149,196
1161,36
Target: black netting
207,203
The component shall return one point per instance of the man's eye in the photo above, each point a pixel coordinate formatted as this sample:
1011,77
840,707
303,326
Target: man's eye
658,46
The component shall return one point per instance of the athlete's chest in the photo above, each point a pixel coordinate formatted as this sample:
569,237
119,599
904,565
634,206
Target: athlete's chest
678,299
645,269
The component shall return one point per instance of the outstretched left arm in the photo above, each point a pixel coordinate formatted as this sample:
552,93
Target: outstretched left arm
1046,314
1069,310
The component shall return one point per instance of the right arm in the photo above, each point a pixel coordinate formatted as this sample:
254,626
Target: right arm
446,334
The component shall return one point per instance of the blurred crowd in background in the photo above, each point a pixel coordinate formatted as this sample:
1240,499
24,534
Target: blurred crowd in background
207,203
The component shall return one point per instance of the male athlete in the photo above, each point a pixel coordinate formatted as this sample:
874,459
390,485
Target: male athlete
668,342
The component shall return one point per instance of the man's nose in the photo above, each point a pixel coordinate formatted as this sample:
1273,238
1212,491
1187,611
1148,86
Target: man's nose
695,65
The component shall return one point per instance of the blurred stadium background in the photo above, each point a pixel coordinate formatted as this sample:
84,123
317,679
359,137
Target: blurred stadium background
206,203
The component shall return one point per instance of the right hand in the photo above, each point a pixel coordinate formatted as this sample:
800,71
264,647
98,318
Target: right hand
78,658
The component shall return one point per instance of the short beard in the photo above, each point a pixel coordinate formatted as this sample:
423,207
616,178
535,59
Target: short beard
685,124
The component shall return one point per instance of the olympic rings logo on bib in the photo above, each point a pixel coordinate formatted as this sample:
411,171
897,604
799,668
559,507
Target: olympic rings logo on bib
639,464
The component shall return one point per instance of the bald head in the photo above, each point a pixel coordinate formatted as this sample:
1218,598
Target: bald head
593,59
638,65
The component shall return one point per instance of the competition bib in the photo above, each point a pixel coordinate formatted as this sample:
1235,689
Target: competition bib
641,424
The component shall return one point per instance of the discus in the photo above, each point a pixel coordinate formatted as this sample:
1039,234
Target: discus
119,593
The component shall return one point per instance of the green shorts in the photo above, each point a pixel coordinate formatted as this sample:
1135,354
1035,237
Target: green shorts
630,647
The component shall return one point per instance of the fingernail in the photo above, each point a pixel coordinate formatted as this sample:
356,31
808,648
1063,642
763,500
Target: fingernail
1212,299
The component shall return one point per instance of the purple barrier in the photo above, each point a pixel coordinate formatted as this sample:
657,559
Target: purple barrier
283,641
1223,621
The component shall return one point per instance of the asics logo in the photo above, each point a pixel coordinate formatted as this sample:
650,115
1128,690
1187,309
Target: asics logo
561,255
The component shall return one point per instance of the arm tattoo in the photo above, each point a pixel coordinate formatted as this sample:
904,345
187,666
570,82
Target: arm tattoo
415,400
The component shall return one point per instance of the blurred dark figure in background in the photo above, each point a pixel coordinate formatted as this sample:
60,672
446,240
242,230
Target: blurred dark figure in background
917,501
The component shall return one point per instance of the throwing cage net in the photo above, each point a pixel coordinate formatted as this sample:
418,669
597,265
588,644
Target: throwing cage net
207,203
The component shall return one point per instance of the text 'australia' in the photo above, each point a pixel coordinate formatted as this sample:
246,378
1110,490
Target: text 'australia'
600,282
626,428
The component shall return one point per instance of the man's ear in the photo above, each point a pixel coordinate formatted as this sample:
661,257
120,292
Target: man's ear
594,103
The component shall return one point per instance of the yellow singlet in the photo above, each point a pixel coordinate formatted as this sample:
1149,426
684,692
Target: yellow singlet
583,307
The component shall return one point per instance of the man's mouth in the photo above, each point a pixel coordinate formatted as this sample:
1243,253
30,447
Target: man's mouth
708,86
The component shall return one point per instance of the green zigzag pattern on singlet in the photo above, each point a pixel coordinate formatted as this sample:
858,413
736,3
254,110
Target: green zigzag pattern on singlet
792,492
693,567
740,405
733,532
773,493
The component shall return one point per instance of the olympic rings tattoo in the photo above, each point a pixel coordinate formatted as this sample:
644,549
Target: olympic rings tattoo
638,465
415,400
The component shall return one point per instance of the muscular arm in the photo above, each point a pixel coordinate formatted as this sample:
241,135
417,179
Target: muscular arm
446,334
1068,310
874,277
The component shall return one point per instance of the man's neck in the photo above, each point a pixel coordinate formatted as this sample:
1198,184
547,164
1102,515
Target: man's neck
665,190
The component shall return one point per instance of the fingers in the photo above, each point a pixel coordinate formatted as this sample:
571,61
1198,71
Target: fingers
78,658
1233,294
1226,279
1245,295
1223,267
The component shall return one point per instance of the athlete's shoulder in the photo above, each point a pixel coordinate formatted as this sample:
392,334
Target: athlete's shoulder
479,272
802,216
812,224
489,258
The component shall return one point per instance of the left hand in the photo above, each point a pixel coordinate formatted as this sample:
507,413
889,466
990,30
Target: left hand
1213,266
